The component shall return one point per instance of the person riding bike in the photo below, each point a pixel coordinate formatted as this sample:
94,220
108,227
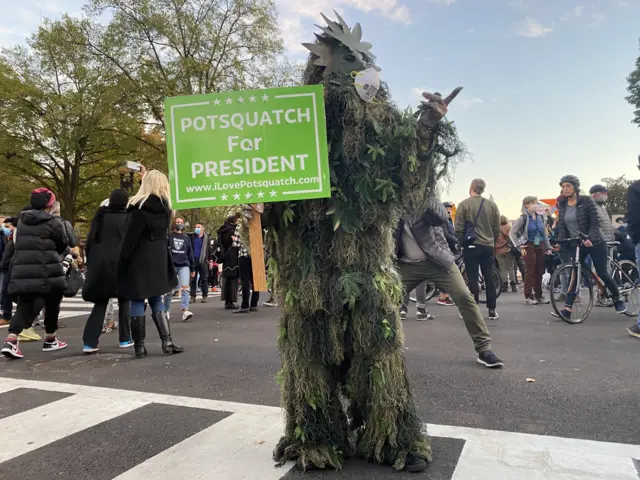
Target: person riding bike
578,215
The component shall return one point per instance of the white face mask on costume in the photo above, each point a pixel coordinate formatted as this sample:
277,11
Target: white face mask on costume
367,83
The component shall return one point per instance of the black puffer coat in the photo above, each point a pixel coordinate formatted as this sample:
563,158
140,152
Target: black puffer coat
145,268
36,267
225,239
103,253
588,219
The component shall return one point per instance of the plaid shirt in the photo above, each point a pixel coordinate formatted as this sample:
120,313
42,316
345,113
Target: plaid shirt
237,242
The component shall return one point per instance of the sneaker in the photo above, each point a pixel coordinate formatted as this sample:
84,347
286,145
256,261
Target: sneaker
530,301
543,301
493,315
231,306
415,464
52,344
29,335
514,289
4,323
186,315
565,314
620,306
270,303
447,302
634,331
88,349
403,314
242,310
127,344
489,360
193,299
204,300
11,348
423,314
253,309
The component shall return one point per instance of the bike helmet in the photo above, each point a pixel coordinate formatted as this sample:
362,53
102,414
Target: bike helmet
572,179
598,189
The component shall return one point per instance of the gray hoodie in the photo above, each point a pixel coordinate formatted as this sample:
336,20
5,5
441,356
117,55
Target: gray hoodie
520,229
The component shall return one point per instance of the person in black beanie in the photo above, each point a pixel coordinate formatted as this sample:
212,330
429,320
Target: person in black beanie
40,241
103,252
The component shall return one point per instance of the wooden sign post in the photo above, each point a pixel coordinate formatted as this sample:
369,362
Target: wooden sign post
257,249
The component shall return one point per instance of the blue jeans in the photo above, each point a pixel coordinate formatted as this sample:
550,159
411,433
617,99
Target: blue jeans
184,275
137,306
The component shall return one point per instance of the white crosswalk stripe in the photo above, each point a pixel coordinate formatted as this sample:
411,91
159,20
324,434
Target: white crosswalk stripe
239,446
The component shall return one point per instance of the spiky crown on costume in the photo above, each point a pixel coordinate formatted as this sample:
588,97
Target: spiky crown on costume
339,34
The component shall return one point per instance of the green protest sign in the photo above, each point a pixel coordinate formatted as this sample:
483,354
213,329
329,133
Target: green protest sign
247,147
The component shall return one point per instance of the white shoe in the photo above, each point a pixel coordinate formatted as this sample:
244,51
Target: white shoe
186,315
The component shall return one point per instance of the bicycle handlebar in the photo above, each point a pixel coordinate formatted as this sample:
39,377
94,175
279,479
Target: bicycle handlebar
581,236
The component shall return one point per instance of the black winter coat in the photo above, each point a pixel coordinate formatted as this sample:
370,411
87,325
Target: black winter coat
633,212
588,219
145,268
9,250
36,267
225,240
103,253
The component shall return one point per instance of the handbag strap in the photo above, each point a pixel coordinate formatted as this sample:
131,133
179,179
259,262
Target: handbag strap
478,214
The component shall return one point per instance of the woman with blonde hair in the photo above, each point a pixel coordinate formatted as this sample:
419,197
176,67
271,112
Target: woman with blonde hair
145,269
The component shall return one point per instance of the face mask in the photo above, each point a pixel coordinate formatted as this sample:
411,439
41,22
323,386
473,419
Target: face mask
601,199
179,227
197,231
6,231
367,83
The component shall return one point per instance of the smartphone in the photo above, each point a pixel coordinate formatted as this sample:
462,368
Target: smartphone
135,166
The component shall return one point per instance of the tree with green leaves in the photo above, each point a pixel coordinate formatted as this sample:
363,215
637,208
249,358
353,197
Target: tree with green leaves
340,334
65,118
617,198
634,91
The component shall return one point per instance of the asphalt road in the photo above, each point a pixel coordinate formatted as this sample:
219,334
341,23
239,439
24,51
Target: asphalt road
587,384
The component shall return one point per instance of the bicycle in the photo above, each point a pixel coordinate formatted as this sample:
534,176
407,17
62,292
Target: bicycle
570,277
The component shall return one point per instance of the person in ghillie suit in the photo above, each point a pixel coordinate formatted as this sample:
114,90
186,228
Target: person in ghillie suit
340,334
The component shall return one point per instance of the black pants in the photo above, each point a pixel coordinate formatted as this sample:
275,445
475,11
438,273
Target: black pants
27,311
229,290
599,257
93,327
202,271
246,278
480,257
7,300
213,277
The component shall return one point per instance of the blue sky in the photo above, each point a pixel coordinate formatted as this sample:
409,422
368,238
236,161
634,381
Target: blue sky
544,80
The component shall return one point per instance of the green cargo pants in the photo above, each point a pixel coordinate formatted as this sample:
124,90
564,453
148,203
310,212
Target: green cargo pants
451,282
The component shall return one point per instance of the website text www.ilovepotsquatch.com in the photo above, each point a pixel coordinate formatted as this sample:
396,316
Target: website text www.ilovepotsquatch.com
244,184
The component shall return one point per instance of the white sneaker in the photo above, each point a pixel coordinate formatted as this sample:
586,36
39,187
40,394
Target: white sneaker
186,315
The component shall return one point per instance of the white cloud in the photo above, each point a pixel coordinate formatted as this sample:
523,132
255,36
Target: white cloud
443,2
531,28
293,34
596,19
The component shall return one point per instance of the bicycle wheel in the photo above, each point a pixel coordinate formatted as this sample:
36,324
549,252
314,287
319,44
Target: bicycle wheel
564,278
429,294
497,282
627,278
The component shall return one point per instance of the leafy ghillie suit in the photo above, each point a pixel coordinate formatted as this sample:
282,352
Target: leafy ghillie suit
340,334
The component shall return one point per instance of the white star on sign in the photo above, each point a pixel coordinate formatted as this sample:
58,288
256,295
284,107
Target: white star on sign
236,196
216,101
252,98
260,194
223,197
265,97
229,101
273,193
241,99
249,195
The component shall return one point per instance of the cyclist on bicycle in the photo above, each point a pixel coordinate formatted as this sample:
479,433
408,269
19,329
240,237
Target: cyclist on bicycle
578,215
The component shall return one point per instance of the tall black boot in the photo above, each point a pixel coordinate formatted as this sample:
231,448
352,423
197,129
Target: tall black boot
138,333
164,330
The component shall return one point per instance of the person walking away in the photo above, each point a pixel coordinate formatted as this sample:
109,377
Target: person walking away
450,233
479,217
183,262
529,234
200,243
100,286
230,269
6,304
37,271
504,255
578,215
424,255
250,296
145,268
633,231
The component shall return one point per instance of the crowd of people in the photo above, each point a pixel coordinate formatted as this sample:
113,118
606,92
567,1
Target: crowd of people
138,255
